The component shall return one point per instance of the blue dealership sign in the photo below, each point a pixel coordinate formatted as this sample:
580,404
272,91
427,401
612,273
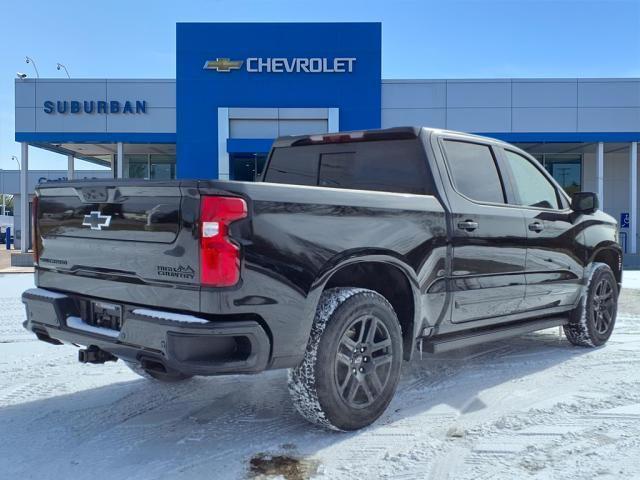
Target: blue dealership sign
267,65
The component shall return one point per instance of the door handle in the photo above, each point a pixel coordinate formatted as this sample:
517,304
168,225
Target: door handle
536,227
468,225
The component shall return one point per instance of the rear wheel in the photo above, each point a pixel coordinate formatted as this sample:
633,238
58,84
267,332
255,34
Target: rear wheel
352,363
593,320
157,376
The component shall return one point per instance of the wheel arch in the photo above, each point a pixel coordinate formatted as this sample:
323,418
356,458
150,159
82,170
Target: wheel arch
389,277
612,256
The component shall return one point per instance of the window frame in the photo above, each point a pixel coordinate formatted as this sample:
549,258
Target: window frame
562,198
507,192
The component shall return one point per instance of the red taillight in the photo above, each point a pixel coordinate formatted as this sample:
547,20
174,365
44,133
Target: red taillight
34,230
219,256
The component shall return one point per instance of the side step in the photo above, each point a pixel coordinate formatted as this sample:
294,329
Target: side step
467,338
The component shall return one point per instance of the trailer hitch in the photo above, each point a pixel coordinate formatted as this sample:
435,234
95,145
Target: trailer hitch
94,354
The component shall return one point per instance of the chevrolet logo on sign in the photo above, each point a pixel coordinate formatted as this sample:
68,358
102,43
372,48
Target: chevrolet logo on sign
284,65
223,64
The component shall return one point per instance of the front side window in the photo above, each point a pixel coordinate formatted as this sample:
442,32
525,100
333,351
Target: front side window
534,189
473,171
566,169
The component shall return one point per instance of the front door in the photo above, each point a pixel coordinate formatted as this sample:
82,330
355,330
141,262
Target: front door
553,269
488,237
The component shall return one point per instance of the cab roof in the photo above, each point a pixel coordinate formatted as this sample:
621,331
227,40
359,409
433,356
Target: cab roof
395,133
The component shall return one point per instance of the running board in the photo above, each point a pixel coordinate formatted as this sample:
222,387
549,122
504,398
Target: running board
468,338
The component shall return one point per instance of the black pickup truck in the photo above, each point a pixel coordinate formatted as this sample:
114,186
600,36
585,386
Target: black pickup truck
353,251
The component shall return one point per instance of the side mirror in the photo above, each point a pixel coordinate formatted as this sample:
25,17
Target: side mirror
584,202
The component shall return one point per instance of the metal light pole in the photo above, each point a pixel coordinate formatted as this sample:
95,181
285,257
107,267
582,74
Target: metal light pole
30,60
17,161
62,66
2,185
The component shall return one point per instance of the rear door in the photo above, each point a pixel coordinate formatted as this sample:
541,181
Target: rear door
488,237
553,266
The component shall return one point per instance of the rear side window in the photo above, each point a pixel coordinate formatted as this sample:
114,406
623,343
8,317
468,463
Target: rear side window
390,166
474,171
386,166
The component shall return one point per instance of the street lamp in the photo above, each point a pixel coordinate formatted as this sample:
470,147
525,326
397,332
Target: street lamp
17,161
62,66
30,60
2,185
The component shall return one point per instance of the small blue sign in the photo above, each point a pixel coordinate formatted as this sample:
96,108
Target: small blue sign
624,220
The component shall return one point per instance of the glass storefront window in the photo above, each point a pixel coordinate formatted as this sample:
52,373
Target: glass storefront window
246,166
136,166
150,166
163,167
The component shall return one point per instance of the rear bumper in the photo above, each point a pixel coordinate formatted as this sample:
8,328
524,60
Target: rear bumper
178,343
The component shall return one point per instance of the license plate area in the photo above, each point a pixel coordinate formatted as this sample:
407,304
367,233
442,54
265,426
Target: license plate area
105,315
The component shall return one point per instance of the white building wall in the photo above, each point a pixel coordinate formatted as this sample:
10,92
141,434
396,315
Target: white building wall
498,105
514,105
275,122
160,97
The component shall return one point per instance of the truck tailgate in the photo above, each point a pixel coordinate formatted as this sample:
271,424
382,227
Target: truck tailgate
121,240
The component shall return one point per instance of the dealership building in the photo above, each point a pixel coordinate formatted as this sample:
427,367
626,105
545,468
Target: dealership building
240,85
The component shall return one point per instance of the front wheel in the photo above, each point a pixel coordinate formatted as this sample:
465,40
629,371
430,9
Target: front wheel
592,321
352,363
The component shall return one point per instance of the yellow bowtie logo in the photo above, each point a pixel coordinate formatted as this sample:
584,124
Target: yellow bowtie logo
223,64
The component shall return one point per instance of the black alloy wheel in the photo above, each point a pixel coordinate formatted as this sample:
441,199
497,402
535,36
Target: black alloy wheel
363,361
603,305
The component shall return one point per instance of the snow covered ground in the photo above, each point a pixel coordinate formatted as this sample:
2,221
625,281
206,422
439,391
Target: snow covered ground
531,407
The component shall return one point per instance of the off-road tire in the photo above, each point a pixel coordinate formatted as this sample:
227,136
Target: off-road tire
356,344
592,321
156,376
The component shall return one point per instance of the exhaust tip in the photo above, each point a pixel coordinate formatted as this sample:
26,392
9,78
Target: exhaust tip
44,337
153,365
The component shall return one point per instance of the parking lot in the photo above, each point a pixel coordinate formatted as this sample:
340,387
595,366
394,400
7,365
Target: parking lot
529,407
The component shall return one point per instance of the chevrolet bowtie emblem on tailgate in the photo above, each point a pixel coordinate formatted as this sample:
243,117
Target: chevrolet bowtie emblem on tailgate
223,64
96,221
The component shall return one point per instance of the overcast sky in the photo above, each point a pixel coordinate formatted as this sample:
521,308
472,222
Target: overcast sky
421,39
